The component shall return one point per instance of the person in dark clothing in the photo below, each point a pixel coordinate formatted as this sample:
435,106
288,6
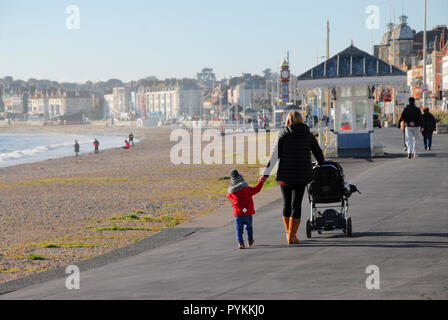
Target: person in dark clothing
96,145
131,139
295,170
412,118
429,126
76,147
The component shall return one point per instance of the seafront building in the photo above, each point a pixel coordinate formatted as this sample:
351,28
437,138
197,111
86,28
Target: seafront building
53,103
402,47
16,103
170,102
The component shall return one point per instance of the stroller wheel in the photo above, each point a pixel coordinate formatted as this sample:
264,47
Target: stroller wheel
349,229
308,229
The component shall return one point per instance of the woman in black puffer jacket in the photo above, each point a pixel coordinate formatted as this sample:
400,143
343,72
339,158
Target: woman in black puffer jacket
429,126
295,171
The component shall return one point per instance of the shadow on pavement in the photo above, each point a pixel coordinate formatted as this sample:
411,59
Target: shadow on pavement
400,234
378,244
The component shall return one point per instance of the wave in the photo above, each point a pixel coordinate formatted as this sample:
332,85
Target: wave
31,152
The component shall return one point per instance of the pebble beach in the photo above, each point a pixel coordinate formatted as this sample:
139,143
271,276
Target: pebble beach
56,212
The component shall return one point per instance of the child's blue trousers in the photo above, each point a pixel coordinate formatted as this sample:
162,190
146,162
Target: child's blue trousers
240,223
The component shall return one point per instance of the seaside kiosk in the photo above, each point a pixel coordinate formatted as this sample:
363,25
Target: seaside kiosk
350,80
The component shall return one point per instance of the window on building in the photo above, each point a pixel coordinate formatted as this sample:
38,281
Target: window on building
361,115
346,116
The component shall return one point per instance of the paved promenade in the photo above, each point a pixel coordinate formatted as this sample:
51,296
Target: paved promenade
400,225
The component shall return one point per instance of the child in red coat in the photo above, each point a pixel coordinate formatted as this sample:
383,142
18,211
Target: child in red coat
240,193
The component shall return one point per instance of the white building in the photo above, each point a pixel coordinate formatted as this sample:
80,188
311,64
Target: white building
122,99
445,80
246,96
57,103
445,73
172,102
15,103
108,104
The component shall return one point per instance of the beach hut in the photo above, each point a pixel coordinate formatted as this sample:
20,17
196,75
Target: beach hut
350,80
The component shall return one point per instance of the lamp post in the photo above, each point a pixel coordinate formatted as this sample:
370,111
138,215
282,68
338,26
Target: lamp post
424,61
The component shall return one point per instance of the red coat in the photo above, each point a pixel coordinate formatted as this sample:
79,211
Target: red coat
242,202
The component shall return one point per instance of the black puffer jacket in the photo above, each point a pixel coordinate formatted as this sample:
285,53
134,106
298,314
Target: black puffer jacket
429,123
411,114
294,148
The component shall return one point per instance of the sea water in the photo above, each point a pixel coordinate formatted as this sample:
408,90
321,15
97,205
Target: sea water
25,148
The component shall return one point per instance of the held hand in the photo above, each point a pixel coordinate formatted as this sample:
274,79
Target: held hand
263,179
412,124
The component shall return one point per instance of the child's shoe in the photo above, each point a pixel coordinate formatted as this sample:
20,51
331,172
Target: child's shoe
241,245
251,243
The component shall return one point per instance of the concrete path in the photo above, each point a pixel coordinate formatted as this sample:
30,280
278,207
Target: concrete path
400,225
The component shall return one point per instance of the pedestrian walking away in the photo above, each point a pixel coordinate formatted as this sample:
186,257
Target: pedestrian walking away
96,145
131,139
240,193
295,170
76,147
413,121
429,126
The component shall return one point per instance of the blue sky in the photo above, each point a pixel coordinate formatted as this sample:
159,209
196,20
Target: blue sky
133,39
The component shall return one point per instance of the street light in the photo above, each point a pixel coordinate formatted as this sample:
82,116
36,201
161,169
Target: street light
424,60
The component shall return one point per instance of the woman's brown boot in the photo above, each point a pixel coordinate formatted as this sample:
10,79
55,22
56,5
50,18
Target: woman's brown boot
286,223
293,228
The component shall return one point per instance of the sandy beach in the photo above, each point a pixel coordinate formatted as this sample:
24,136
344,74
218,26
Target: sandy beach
60,211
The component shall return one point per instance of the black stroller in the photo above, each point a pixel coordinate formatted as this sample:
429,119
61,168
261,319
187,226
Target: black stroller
329,187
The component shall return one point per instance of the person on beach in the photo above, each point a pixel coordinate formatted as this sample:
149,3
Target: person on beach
293,152
126,145
429,126
96,145
413,121
76,147
131,139
240,193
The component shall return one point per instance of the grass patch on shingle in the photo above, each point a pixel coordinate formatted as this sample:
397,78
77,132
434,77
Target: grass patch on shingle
76,180
33,257
50,245
118,228
11,270
130,216
173,205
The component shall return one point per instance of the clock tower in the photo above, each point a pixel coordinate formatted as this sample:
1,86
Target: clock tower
285,77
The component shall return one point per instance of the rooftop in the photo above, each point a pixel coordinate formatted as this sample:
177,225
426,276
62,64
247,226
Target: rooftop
349,63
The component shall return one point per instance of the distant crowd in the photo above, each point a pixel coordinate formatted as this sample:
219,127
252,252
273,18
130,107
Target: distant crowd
96,144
